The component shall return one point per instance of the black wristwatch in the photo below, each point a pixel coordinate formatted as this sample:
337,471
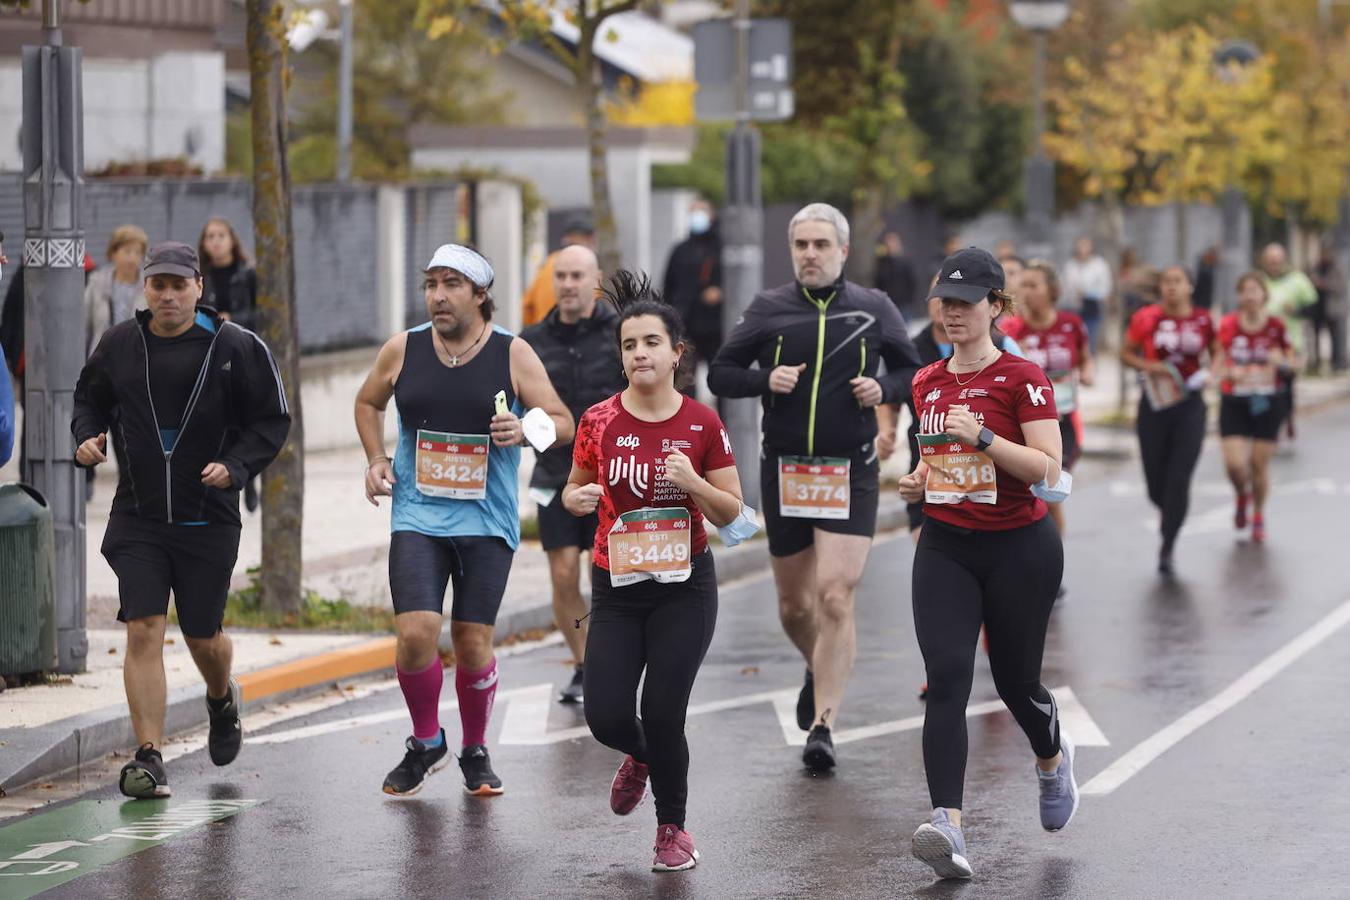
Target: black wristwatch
986,438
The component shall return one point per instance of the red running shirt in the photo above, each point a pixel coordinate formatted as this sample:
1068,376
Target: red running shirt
1177,340
1010,392
1247,348
1057,348
628,456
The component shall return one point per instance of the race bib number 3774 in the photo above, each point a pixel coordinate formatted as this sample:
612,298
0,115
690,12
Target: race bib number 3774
650,544
813,487
957,473
452,465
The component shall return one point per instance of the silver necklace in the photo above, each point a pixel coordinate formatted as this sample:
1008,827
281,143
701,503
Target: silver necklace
456,357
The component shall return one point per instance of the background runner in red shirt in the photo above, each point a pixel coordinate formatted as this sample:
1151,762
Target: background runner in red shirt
1253,346
664,460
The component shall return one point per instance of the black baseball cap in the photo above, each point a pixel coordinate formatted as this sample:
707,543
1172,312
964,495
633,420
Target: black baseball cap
968,275
172,258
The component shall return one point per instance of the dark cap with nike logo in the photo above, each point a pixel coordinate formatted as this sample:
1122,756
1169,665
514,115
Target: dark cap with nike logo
968,275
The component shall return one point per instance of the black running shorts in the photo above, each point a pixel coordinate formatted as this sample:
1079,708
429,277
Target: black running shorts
421,567
1238,418
558,528
790,535
151,559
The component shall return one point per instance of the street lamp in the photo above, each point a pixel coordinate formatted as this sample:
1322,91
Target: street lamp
1040,17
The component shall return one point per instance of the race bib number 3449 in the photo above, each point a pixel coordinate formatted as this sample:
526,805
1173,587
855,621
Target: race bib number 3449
452,465
650,544
957,473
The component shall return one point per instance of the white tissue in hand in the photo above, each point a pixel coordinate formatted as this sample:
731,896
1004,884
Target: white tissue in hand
539,429
1198,380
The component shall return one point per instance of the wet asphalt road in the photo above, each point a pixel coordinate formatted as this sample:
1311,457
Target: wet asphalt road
1255,803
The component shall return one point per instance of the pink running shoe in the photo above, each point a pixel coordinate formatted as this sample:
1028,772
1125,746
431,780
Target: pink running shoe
674,850
1258,529
1240,512
629,787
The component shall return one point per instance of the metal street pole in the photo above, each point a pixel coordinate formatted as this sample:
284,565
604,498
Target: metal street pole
344,127
742,252
53,249
1040,171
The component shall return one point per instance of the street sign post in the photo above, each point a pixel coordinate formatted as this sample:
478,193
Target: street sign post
53,252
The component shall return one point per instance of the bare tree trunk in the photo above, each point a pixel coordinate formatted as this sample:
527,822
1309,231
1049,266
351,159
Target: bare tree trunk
869,221
283,487
602,213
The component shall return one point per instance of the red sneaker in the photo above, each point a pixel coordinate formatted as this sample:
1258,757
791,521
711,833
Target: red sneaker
629,787
674,850
1240,513
1258,529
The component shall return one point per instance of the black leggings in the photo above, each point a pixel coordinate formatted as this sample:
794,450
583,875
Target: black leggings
665,629
1006,580
1169,443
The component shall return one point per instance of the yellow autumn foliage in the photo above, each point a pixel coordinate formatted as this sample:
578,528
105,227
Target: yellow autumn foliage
656,104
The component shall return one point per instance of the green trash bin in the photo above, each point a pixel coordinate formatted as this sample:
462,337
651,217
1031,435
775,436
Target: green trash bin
27,582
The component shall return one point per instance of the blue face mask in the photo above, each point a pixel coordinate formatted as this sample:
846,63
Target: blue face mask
1057,494
700,220
741,528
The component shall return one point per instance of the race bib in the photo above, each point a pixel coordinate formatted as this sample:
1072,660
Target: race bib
650,544
452,465
1163,389
1066,392
813,487
957,473
1254,381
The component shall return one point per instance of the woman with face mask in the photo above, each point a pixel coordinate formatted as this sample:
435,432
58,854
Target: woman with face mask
654,464
1253,348
989,452
1167,342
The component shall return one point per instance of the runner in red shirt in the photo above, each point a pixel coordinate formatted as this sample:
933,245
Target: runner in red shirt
654,463
1057,341
989,449
1253,347
1167,342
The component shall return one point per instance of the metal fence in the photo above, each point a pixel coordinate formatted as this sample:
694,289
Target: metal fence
337,237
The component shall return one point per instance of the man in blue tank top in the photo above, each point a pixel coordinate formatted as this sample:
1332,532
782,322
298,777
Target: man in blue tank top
461,386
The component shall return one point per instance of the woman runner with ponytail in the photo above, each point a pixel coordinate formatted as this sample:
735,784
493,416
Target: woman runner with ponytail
654,463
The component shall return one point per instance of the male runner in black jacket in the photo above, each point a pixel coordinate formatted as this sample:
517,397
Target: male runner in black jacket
195,407
818,341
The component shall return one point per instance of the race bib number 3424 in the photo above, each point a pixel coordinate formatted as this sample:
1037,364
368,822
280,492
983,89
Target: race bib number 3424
452,465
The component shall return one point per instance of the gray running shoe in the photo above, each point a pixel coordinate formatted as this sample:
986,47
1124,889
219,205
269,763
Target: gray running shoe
1059,790
144,777
573,693
942,846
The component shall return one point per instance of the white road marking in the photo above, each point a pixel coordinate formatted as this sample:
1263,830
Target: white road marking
1124,768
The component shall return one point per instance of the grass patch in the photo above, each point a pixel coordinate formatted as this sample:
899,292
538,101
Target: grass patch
243,609
529,529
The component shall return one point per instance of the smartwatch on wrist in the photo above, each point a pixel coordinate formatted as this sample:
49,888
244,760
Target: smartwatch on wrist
986,438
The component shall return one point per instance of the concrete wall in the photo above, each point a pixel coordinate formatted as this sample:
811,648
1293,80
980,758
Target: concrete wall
135,109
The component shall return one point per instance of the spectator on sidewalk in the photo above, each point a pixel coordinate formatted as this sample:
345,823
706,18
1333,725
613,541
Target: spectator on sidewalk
1087,285
693,283
115,291
1205,271
174,523
230,286
896,275
576,343
1293,296
1329,315
538,298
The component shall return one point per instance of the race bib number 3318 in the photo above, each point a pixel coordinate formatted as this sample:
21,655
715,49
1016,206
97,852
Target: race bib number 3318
957,473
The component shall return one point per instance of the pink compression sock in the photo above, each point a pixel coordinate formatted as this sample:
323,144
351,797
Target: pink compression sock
422,693
476,691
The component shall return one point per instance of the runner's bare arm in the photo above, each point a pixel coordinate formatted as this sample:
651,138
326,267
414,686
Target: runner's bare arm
1087,368
534,389
717,492
912,485
371,401
1132,355
581,494
1023,462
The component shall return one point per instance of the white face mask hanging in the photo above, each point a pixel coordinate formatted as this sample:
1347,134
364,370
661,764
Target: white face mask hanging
741,528
1057,494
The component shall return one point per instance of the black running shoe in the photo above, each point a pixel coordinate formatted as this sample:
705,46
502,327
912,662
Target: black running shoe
479,779
573,693
819,753
251,494
144,777
1165,565
806,703
419,762
226,732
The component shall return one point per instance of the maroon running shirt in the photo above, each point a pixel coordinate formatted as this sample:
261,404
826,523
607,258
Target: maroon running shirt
1058,348
1177,340
1246,348
1009,392
628,457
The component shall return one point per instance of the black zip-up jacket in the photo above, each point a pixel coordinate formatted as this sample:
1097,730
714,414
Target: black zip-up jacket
236,415
585,368
840,332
